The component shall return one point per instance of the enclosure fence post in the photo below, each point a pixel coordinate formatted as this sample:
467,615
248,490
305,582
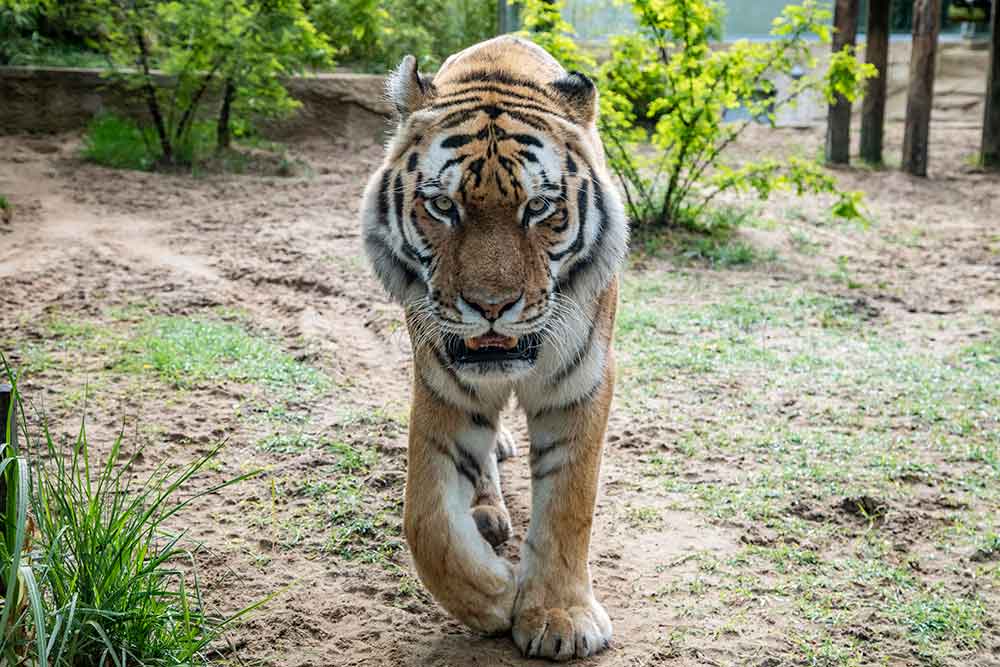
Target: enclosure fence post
7,407
838,125
991,114
873,106
920,98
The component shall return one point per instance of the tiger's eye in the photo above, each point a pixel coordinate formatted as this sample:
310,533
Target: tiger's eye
536,204
443,204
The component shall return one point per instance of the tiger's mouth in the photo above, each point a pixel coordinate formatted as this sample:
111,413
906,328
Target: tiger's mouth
493,349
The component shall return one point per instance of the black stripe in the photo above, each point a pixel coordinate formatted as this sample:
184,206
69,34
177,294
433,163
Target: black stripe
602,224
457,140
383,198
468,461
481,420
582,206
451,163
376,243
570,163
577,359
528,156
411,164
408,248
577,402
513,94
469,390
495,76
538,452
525,140
551,470
507,106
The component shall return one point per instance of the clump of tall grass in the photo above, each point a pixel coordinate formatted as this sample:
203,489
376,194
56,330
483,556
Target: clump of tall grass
109,583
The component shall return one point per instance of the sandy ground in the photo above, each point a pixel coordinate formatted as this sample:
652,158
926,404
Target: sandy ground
282,257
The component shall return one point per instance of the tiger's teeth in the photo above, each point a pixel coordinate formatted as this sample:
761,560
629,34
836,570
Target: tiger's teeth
510,343
472,343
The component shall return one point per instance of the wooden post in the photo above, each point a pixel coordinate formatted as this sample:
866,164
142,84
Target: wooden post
873,107
920,99
6,399
991,115
838,124
506,17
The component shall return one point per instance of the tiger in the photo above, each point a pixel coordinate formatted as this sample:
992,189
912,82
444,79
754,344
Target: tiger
493,221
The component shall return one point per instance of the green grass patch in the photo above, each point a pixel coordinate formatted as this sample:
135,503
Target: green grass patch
120,143
936,616
189,352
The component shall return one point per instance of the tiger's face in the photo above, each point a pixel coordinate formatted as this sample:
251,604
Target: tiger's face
484,215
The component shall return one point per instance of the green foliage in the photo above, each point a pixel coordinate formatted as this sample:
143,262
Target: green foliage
107,582
4,203
119,143
374,35
238,48
545,26
665,92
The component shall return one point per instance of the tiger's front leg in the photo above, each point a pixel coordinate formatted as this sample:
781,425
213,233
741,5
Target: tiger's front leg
556,615
452,501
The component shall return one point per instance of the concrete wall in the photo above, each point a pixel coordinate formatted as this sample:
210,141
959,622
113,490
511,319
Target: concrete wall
39,100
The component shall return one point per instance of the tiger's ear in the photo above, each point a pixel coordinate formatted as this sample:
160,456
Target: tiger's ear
580,95
407,89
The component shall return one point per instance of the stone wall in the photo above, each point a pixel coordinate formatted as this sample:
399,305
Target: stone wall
47,101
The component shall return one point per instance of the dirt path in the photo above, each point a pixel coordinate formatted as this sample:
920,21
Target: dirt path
695,562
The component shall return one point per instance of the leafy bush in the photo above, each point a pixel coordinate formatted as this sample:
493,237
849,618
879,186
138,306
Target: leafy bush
108,583
665,91
374,35
240,49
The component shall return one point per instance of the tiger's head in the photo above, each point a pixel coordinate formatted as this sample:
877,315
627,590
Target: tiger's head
492,219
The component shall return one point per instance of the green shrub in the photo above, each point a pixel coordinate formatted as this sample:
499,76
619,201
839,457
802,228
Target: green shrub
374,35
665,91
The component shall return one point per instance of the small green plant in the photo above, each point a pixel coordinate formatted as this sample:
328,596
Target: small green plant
118,582
119,143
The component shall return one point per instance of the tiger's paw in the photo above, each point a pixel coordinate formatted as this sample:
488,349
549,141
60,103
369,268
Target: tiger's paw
506,445
493,523
562,633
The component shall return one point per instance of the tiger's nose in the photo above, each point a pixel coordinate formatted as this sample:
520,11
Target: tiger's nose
491,307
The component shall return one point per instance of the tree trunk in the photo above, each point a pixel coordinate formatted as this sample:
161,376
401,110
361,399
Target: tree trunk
919,100
223,134
873,107
838,125
991,115
151,101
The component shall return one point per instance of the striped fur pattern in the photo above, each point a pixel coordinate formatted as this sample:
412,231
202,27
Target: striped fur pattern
493,218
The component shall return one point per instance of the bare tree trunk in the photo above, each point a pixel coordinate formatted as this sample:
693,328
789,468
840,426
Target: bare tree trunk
919,101
151,101
838,124
223,133
991,115
873,107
